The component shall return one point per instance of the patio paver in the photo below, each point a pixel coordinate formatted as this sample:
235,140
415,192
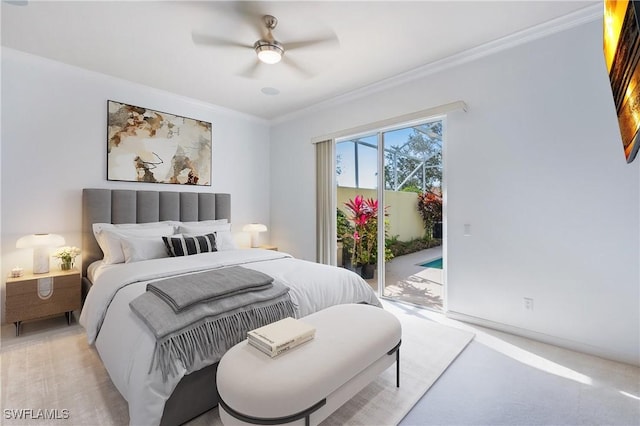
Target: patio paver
407,281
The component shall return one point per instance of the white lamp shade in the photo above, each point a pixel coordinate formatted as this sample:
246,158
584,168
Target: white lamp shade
40,243
40,240
255,229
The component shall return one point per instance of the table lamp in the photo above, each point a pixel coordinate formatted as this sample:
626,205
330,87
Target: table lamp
41,244
255,229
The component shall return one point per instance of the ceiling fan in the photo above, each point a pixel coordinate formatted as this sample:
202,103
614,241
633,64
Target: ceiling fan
268,50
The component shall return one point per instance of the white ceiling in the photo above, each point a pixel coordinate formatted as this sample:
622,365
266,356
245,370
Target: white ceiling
152,42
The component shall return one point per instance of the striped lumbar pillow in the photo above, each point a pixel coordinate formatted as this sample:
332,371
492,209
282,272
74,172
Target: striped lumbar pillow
179,245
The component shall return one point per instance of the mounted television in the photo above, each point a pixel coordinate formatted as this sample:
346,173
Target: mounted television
622,56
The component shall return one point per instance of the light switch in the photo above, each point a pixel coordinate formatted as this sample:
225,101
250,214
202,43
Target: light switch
467,230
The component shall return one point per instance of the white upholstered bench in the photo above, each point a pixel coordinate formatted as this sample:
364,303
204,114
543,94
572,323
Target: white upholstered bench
353,344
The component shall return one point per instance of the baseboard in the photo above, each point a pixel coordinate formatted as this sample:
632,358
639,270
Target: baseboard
546,338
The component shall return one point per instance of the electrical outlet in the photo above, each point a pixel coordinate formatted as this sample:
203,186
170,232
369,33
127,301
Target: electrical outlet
528,304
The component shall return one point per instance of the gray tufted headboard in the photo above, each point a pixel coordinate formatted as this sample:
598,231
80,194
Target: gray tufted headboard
130,206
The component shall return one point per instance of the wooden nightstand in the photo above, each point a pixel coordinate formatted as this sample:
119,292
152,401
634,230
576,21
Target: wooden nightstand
59,293
268,247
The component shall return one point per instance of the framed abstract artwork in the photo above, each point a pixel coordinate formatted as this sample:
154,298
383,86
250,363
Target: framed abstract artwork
622,57
144,145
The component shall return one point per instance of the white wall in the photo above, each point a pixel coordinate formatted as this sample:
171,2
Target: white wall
535,166
54,144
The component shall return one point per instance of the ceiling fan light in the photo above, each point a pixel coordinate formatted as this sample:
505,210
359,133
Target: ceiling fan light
269,53
269,56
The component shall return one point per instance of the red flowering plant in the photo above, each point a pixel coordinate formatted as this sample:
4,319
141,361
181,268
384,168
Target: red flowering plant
430,209
364,215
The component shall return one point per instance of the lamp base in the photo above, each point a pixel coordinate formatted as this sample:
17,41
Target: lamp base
41,260
255,239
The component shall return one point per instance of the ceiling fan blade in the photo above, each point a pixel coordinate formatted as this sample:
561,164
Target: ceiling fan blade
217,41
327,42
252,13
251,71
293,64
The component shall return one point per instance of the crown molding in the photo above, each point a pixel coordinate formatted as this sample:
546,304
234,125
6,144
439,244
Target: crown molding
563,23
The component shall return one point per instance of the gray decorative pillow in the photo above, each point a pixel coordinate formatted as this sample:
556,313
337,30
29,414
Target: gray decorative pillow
179,245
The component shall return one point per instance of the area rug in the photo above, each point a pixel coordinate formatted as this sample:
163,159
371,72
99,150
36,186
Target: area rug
57,371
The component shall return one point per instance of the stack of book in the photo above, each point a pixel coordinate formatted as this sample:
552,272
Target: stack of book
280,336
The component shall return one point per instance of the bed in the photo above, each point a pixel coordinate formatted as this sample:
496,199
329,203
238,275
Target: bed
126,344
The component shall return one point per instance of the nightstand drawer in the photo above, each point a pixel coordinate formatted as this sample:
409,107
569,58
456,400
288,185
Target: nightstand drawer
61,295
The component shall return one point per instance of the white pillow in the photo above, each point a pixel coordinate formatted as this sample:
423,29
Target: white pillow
204,226
144,248
205,222
99,227
225,241
203,229
109,239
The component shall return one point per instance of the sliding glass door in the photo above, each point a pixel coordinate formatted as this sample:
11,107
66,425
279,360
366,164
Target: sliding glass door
357,195
389,210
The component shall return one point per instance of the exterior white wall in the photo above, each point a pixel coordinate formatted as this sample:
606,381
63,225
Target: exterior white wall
54,143
535,167
402,217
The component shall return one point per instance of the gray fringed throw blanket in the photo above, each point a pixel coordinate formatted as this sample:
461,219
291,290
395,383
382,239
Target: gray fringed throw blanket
208,329
181,293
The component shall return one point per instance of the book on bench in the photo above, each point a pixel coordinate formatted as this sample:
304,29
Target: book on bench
280,336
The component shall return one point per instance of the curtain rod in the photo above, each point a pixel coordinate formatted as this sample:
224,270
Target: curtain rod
406,118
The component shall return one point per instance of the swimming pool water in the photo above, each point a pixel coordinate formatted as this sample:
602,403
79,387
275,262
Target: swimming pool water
436,264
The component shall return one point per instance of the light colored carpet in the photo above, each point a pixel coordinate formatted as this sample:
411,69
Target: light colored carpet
503,379
56,370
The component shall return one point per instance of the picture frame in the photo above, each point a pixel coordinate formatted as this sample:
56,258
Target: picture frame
145,145
622,56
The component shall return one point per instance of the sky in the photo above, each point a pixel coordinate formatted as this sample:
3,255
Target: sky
367,158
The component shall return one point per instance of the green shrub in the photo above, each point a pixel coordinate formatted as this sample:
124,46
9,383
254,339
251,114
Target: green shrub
344,228
400,248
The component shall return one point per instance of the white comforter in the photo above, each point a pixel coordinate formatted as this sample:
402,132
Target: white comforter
126,345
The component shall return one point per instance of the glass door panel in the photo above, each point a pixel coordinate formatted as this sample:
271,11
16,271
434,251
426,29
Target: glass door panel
356,196
413,204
